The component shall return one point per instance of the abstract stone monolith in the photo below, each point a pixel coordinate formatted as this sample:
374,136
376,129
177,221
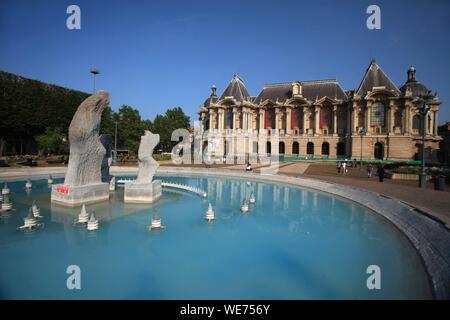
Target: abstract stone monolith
144,190
83,182
147,165
86,149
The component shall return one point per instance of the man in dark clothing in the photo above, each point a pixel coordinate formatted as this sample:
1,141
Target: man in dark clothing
380,172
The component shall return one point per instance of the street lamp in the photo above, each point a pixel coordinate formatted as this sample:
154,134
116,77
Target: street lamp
423,108
94,72
115,137
361,134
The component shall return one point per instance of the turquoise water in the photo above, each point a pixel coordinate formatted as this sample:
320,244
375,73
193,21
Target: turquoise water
293,244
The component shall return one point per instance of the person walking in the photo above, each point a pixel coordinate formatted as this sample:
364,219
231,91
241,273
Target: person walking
338,167
344,168
380,172
369,170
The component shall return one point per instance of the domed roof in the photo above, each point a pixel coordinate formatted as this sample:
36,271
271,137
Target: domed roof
416,88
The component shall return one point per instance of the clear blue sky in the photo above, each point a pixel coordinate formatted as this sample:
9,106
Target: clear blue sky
159,54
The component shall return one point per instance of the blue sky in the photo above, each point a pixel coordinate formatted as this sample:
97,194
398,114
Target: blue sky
159,54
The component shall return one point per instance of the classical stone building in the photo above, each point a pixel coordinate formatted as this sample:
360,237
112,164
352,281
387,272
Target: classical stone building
319,119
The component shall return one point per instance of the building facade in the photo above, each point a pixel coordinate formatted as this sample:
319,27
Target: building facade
318,119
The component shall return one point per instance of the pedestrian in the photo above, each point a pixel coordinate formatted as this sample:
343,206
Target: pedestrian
380,172
338,167
355,164
369,170
344,168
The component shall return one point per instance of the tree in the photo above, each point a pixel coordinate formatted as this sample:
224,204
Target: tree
129,129
52,142
29,107
165,124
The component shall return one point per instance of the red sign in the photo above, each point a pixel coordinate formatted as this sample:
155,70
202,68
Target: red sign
62,189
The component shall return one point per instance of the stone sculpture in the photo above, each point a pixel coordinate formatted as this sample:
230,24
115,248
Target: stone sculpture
144,190
86,149
147,165
83,181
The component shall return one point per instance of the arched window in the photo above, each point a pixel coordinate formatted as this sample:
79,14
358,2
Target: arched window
325,149
295,148
310,148
416,122
228,121
377,114
281,147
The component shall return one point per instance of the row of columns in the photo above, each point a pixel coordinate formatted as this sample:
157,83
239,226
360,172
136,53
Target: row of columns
282,120
407,118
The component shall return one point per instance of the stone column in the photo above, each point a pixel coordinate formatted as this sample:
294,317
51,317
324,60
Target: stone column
211,118
392,110
353,117
288,120
222,119
408,118
245,120
436,123
335,120
316,120
261,119
276,119
368,109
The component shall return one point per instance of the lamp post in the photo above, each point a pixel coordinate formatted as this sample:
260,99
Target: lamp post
361,134
423,108
94,72
115,143
115,136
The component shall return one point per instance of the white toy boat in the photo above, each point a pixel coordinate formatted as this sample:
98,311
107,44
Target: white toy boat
209,216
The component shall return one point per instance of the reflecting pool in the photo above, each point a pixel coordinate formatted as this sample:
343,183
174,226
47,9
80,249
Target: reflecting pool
293,244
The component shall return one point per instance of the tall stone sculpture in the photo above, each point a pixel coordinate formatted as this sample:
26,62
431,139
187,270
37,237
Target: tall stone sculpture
144,190
83,182
107,160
